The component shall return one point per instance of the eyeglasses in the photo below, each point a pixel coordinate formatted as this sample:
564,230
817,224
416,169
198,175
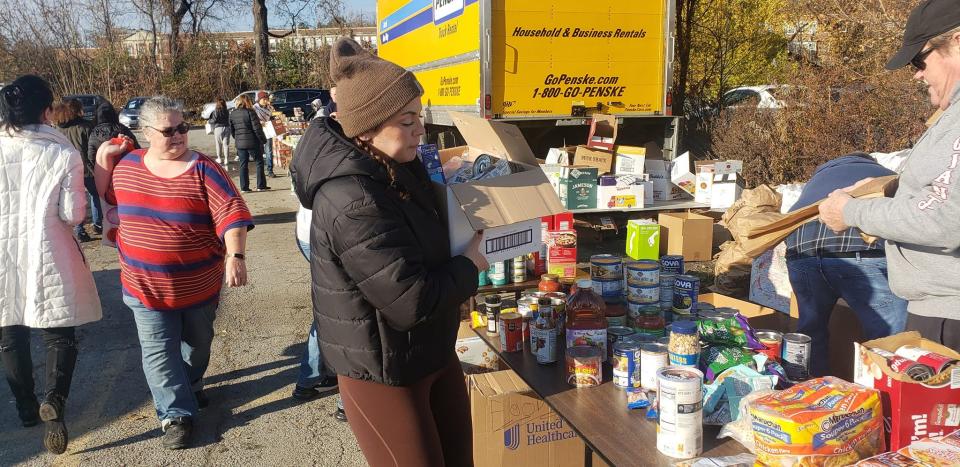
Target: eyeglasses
182,128
920,60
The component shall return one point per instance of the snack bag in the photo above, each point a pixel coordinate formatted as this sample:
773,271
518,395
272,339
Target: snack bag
735,331
714,360
824,421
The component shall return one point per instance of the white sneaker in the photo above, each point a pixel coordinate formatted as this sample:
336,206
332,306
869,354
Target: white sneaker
218,161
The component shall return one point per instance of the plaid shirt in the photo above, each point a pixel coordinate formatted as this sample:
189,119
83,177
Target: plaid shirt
814,238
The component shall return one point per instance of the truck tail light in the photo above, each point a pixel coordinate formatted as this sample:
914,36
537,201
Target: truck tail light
669,109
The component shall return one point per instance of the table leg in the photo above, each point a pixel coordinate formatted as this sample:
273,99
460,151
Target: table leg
587,456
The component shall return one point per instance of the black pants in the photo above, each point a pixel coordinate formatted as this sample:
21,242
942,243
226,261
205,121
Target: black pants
943,331
61,347
245,155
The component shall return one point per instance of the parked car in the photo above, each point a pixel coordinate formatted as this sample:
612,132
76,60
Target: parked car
130,114
756,97
90,102
208,108
285,100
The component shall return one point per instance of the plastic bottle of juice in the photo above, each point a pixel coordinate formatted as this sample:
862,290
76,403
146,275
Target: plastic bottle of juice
586,322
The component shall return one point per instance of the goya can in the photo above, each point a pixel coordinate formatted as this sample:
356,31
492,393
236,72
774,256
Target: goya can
672,264
686,290
583,366
796,357
680,395
606,267
653,357
645,294
616,334
511,332
626,364
773,340
543,344
643,272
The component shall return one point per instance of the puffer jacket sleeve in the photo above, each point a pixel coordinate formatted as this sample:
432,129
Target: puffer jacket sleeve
73,194
380,253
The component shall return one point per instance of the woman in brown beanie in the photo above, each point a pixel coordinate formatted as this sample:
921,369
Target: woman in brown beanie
386,291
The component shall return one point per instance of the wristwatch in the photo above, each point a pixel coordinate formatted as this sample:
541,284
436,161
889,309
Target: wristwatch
236,255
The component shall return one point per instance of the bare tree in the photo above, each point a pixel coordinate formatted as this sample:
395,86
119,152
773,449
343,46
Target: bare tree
175,11
262,34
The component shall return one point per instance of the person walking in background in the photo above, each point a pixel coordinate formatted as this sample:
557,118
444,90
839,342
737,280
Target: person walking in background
825,266
183,229
72,124
265,114
45,282
248,136
220,119
108,126
386,291
329,110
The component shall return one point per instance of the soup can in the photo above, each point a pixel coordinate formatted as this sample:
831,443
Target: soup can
543,344
616,334
686,290
653,357
680,395
672,264
583,366
606,267
645,294
643,272
773,340
796,357
527,307
626,364
608,289
511,332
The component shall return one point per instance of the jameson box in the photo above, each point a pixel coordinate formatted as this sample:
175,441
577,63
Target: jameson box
578,187
912,409
507,208
514,427
643,240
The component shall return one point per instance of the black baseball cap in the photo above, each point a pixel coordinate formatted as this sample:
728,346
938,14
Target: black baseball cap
928,20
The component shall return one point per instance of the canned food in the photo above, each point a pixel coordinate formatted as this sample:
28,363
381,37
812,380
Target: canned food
773,340
616,321
643,272
635,310
643,293
653,357
680,395
686,290
672,264
708,315
511,332
606,267
527,307
519,269
724,311
796,357
616,334
704,306
583,366
543,344
626,364
498,273
608,289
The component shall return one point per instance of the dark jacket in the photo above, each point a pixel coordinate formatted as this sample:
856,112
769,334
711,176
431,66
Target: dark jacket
386,293
78,132
108,126
246,129
839,173
220,118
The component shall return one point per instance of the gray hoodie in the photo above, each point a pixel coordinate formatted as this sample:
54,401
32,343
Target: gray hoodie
922,222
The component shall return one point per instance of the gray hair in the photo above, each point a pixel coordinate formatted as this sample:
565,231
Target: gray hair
943,39
156,106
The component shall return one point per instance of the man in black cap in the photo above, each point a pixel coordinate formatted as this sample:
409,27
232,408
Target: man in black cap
922,222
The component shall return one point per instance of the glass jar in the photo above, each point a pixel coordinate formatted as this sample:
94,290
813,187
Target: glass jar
684,347
650,322
549,283
586,321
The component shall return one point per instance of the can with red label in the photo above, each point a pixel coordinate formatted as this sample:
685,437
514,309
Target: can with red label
511,332
931,359
773,340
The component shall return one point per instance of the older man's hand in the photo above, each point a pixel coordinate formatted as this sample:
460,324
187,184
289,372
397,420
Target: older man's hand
831,211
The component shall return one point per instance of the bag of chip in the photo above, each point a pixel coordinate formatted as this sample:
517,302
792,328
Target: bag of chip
714,360
734,331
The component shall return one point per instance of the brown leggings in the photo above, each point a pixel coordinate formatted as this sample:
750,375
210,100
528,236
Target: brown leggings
424,424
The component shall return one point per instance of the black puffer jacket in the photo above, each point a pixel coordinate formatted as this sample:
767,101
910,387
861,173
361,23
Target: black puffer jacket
386,293
108,126
246,129
220,118
78,132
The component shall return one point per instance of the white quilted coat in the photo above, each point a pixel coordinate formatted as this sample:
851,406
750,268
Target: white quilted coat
44,278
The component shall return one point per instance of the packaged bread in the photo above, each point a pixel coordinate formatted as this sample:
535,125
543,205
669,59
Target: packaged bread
821,422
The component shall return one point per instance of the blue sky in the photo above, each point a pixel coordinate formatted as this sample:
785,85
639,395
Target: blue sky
243,20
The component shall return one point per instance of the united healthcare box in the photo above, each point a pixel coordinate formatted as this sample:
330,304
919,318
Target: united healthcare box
507,208
514,427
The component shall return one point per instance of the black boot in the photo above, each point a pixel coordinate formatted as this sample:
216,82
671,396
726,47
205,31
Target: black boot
55,436
29,412
15,354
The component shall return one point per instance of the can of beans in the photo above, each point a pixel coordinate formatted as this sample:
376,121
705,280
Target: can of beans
686,291
653,357
643,293
511,332
616,334
672,264
796,357
626,364
643,272
606,267
773,340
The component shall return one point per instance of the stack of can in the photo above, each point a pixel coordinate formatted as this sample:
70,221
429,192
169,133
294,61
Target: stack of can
671,266
686,294
643,285
606,272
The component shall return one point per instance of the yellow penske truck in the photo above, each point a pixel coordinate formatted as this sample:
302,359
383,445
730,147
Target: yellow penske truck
544,65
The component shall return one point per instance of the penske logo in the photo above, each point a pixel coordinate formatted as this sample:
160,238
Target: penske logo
446,9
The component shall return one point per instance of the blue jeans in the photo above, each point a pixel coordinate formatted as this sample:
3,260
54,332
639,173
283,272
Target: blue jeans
93,198
176,350
268,155
862,282
312,369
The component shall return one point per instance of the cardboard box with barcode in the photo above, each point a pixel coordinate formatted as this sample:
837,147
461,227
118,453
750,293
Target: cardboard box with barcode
912,409
629,160
512,426
507,208
687,234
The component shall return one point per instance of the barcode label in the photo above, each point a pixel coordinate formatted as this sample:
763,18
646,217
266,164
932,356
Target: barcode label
626,164
955,378
506,242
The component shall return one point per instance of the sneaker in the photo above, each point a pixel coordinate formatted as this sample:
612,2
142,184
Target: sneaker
266,188
246,191
177,432
83,236
219,161
98,229
326,385
55,434
340,415
29,413
202,400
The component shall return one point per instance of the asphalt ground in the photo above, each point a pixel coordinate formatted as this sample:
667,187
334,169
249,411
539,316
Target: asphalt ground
260,333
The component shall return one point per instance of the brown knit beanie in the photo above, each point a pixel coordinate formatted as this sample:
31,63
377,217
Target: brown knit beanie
369,89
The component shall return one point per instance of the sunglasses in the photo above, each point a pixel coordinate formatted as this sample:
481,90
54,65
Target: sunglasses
182,128
920,60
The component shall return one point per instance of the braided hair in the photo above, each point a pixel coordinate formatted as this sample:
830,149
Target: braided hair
387,163
23,102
